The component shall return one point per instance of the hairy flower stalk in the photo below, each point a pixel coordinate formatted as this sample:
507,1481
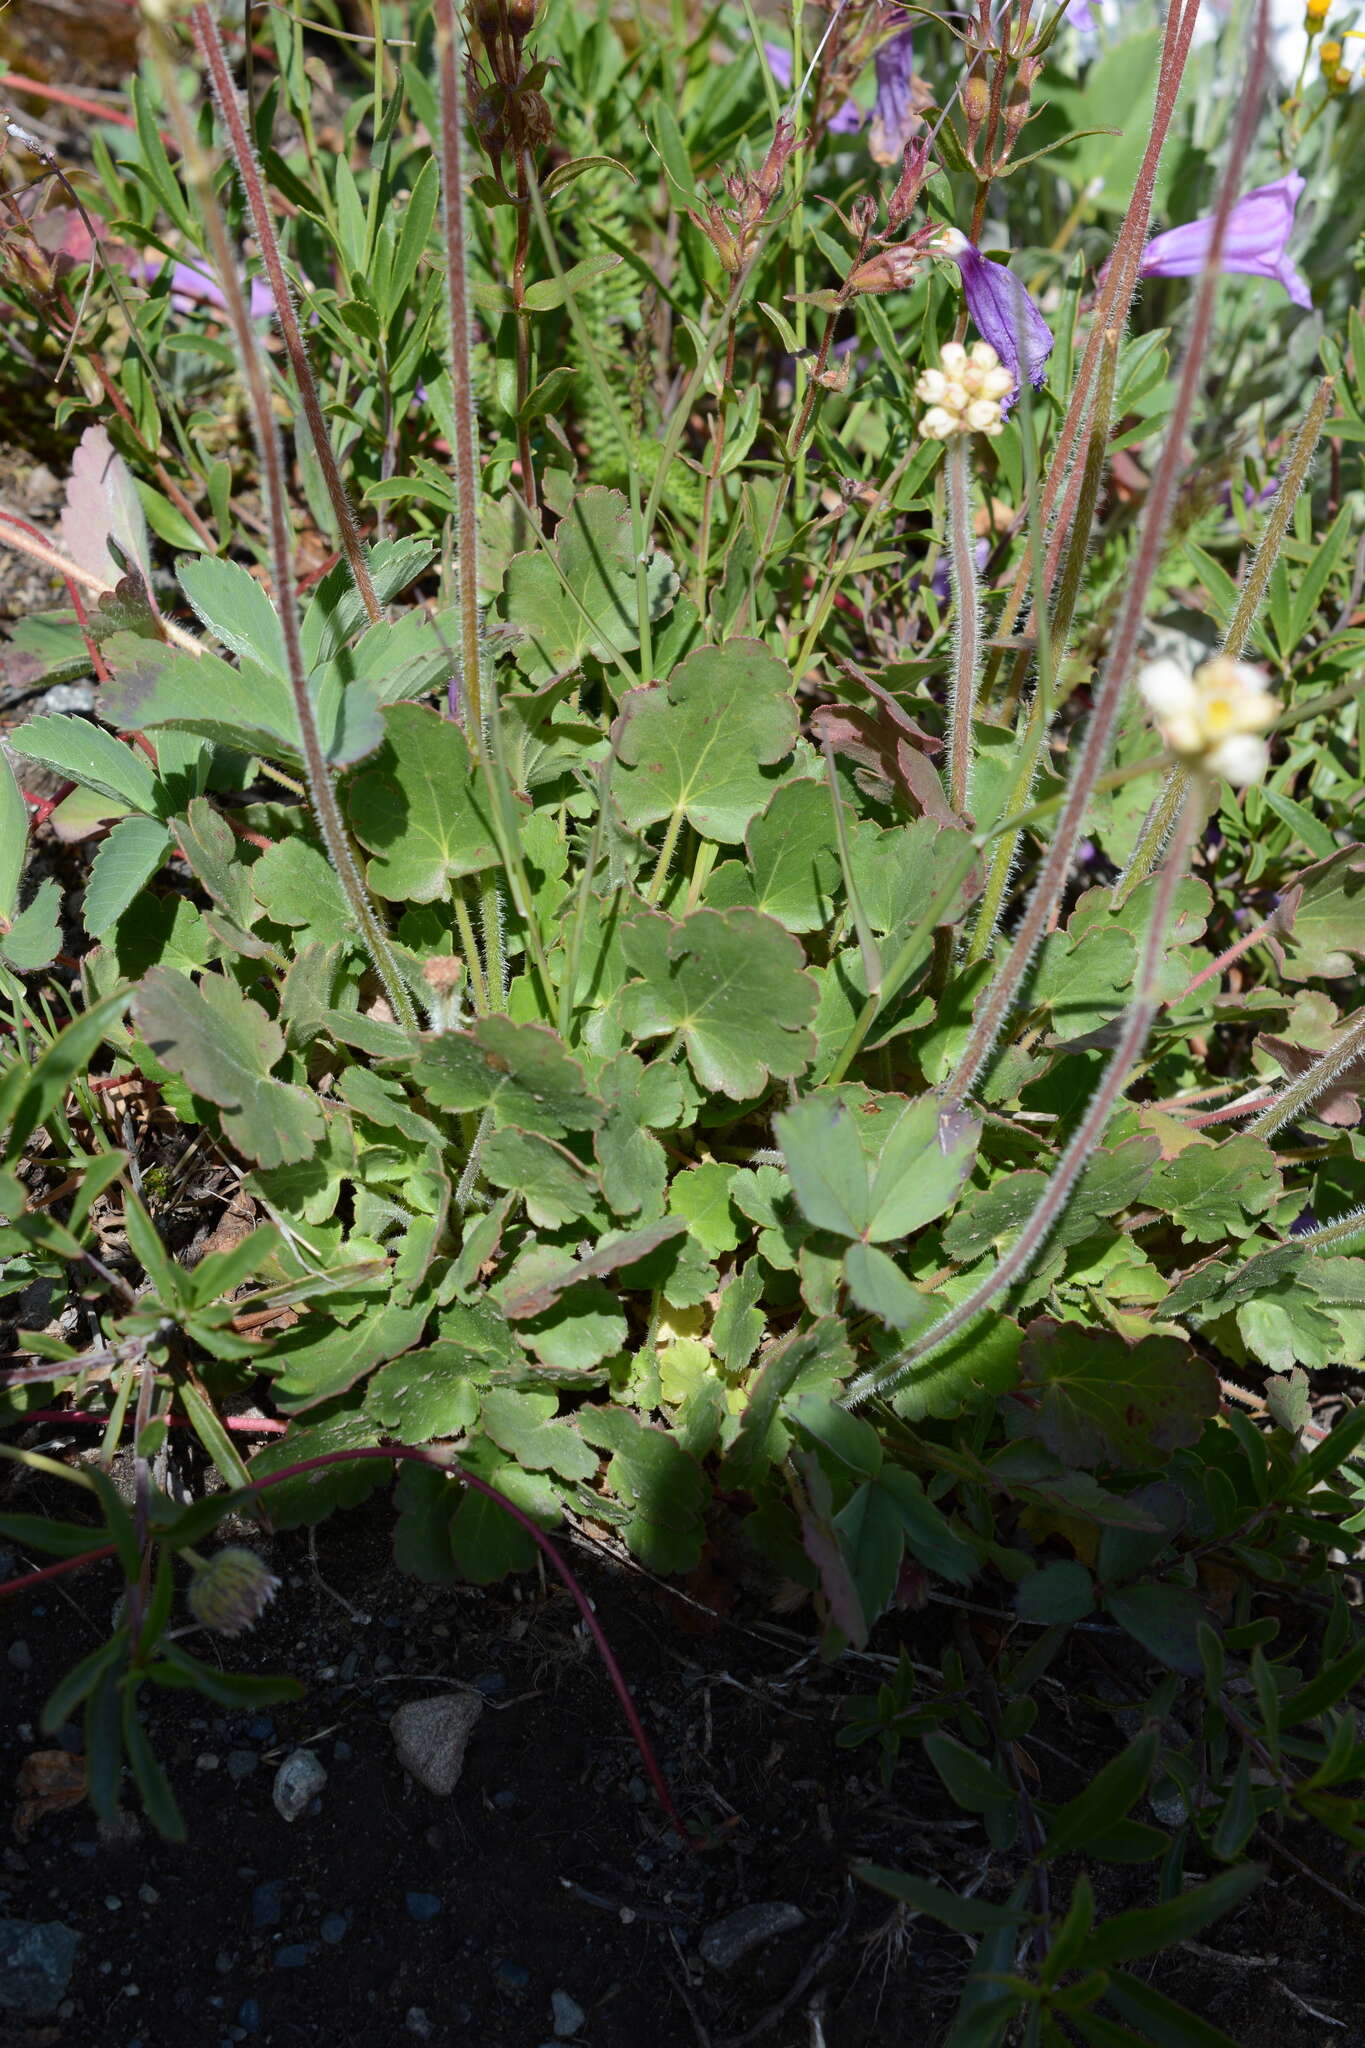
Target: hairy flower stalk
322,795
1157,824
1116,296
1058,635
461,374
1000,998
966,626
210,43
1137,1024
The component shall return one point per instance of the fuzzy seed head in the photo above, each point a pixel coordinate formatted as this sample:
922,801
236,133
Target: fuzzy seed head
1216,717
232,1591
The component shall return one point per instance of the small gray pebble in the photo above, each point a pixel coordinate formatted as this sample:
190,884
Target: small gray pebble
417,2023
431,1737
298,1781
490,1683
726,1942
20,1657
267,1903
512,1978
295,1955
333,1928
566,2013
241,1763
422,1905
342,1752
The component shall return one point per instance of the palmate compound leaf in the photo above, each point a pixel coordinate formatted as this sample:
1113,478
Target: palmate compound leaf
419,810
1098,1400
697,746
224,1046
732,984
521,1072
583,602
876,1167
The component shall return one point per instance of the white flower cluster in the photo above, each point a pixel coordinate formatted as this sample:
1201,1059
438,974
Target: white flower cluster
1216,716
963,395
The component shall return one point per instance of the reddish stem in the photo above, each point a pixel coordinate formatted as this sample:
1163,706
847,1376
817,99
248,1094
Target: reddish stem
13,81
412,1453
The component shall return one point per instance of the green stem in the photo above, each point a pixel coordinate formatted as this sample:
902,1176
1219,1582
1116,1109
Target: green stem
322,795
966,625
1035,1233
665,861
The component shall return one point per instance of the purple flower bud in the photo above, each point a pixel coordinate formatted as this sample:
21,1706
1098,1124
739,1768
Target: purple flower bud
847,120
1254,245
1004,313
894,114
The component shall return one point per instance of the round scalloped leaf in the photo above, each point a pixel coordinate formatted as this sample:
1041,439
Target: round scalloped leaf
697,746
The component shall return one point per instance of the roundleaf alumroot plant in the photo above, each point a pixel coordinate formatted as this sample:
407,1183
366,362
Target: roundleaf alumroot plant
721,784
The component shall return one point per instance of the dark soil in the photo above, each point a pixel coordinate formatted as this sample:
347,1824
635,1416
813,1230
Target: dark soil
552,1865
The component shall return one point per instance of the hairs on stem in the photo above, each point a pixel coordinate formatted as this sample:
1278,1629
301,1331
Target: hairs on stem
966,625
1157,823
210,43
1000,997
1035,1233
326,810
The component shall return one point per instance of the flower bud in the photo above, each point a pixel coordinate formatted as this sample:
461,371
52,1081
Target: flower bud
1329,59
890,270
1315,14
1340,81
914,171
231,1591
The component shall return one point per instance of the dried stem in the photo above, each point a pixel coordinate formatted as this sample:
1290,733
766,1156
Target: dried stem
1000,997
966,625
327,811
205,31
1035,1233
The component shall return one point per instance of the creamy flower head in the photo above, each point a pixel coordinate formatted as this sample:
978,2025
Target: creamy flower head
1216,716
963,395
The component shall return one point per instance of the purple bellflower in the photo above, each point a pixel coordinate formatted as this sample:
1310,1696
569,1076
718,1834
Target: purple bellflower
1004,313
1254,245
895,116
847,120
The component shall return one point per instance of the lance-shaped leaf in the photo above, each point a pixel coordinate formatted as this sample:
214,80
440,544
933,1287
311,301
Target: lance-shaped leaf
521,1072
419,810
733,985
697,747
224,1046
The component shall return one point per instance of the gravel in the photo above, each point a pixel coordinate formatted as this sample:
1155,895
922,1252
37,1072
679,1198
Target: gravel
431,1737
298,1782
36,1960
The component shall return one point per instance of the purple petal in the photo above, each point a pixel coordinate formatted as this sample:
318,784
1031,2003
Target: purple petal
1004,313
894,119
191,287
849,118
1255,243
